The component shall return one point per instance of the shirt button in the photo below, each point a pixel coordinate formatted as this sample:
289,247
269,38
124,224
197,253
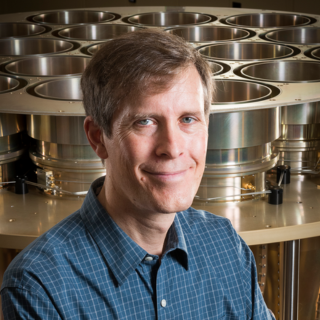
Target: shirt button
148,258
163,303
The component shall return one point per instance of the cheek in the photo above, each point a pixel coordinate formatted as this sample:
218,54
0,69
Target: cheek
198,147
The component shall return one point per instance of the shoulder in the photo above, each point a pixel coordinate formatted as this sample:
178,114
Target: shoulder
199,221
211,231
45,254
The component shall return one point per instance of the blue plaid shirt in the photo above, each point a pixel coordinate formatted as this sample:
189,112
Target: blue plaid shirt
86,267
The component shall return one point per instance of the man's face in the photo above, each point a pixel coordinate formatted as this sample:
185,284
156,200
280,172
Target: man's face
156,154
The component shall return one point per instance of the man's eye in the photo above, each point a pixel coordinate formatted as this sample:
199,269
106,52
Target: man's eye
145,122
187,120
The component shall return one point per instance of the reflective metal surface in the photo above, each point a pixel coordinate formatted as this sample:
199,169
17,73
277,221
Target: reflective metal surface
245,129
73,17
33,46
209,33
49,66
245,51
306,113
291,280
268,20
296,35
230,91
96,32
316,53
167,19
8,84
61,130
62,89
284,71
11,124
95,48
16,29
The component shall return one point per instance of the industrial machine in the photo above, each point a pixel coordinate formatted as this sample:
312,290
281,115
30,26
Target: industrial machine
263,155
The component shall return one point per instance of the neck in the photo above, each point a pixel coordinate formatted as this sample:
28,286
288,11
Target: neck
147,229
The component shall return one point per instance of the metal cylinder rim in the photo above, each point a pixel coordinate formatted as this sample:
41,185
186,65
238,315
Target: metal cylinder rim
43,40
10,66
47,85
266,14
202,48
42,29
13,86
250,83
269,35
105,26
278,62
34,18
130,19
246,32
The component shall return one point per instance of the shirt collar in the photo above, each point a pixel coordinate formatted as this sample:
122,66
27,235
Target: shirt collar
122,254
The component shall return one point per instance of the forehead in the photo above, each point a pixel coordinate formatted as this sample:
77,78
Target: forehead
185,91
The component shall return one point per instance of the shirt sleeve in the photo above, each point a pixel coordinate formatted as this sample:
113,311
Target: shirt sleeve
21,304
256,306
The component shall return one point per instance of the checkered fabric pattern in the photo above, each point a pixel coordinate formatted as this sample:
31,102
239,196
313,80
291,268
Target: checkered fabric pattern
86,267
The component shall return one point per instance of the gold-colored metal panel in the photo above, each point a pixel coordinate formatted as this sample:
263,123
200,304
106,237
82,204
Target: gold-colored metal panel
11,124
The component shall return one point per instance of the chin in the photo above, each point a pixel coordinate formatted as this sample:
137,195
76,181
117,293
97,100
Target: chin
172,203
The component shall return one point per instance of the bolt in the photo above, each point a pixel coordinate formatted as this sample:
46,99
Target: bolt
11,220
268,226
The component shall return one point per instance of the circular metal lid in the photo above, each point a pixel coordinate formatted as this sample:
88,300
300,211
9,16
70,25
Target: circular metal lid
268,20
33,46
209,33
245,51
8,84
61,89
233,91
73,17
169,19
96,32
310,35
284,71
17,29
49,66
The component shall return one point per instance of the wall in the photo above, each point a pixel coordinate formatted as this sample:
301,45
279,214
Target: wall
305,6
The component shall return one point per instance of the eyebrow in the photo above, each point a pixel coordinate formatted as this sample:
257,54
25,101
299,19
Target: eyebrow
155,115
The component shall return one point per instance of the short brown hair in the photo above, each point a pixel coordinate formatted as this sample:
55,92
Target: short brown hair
133,65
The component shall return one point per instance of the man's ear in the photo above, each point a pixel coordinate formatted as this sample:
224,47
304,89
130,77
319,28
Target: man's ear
95,137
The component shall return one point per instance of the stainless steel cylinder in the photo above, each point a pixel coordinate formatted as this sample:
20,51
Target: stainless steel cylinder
49,66
268,20
96,32
168,19
283,71
209,33
236,163
20,29
63,154
309,35
33,46
61,89
245,51
299,142
73,17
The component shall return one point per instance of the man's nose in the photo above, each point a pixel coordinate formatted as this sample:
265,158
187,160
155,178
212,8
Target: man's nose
170,141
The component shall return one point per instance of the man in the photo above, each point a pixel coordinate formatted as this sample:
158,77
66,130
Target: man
135,249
